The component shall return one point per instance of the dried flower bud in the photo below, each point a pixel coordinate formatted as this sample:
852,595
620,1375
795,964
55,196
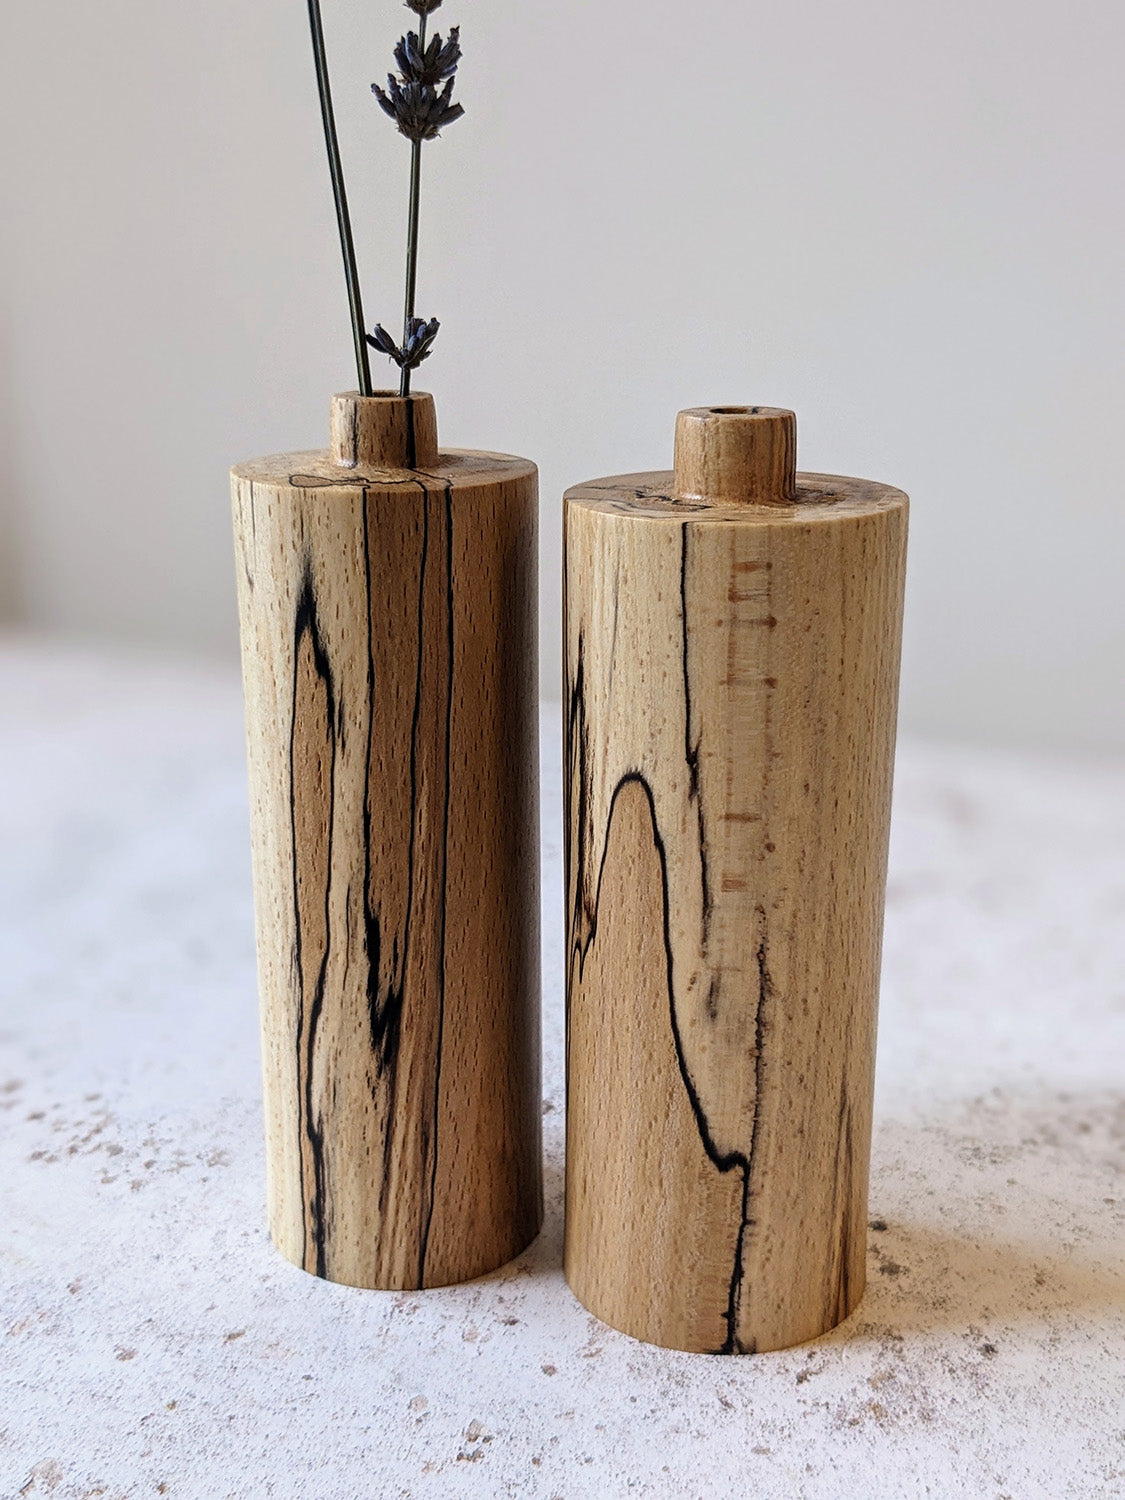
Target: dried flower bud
423,7
438,61
382,341
419,341
419,111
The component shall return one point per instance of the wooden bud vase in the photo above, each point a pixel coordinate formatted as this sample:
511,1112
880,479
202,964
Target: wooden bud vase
387,595
732,655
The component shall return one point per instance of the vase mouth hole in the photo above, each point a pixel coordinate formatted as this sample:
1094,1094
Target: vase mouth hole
385,396
734,411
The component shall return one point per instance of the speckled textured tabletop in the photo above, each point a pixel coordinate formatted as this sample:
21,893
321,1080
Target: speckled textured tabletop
155,1344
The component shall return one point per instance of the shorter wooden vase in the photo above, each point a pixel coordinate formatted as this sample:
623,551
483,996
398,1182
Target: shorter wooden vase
732,656
387,596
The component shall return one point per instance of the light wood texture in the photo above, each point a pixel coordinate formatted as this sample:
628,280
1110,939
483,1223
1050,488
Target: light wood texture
736,455
731,688
385,430
389,656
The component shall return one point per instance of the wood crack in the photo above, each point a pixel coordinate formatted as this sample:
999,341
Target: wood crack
307,643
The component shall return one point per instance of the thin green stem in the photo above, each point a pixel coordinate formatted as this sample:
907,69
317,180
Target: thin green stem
412,229
339,193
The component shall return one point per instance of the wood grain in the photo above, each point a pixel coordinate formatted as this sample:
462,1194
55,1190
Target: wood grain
736,455
384,429
731,687
389,654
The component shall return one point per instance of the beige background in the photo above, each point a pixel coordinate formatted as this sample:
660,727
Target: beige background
903,220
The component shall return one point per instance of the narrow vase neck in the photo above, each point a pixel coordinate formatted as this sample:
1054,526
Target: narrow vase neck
384,431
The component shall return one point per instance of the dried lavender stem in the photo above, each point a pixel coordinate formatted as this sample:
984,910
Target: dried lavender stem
412,229
339,193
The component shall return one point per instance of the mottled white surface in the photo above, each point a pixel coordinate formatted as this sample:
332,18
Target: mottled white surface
152,1342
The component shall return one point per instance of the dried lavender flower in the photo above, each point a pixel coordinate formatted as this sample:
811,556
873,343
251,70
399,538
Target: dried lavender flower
420,102
419,341
416,347
417,108
382,341
431,64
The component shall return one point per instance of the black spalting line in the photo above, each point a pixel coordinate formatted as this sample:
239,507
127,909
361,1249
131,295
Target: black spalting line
567,700
577,763
724,1161
385,1013
298,481
838,1297
347,949
732,1345
425,1243
575,748
577,768
306,622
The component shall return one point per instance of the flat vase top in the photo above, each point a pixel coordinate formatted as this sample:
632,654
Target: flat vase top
818,498
459,468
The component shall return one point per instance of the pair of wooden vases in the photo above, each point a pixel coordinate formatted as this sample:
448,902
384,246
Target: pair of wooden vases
732,645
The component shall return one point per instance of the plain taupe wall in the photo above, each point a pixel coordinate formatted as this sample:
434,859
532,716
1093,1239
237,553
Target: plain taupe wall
903,221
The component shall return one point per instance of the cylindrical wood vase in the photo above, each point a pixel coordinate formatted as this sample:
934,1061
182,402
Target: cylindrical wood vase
732,655
387,595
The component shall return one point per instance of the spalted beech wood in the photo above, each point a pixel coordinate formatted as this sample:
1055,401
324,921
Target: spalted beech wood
732,651
388,610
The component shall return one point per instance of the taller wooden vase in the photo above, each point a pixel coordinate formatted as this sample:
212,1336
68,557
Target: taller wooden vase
732,652
387,596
